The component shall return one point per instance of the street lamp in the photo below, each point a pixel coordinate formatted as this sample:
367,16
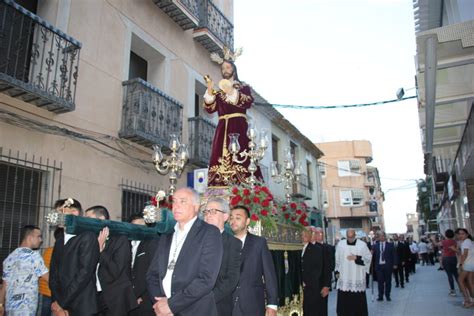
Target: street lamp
255,152
174,163
291,172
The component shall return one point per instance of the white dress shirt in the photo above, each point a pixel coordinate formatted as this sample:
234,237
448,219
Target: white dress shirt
382,250
67,237
304,249
243,240
135,244
179,237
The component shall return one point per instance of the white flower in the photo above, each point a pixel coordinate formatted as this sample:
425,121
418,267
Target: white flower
160,195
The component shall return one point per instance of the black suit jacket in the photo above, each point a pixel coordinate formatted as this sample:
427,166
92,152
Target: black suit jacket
249,296
315,267
143,257
400,250
115,276
145,252
229,274
72,274
331,255
195,272
391,257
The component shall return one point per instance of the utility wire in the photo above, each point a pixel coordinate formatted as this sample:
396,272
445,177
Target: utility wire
323,107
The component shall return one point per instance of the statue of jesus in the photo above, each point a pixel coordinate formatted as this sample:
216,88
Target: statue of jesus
230,102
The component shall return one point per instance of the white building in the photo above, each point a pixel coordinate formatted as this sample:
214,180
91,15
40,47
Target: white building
445,83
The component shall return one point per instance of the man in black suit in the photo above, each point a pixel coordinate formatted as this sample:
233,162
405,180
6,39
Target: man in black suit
386,260
216,213
315,275
257,271
186,264
402,261
72,271
142,254
114,287
408,262
328,258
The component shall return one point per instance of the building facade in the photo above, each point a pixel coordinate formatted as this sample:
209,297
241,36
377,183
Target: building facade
87,87
285,137
413,229
445,89
352,195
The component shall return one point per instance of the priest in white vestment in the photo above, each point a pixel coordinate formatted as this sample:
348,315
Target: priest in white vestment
352,263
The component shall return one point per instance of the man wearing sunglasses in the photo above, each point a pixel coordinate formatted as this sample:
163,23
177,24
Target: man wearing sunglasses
216,213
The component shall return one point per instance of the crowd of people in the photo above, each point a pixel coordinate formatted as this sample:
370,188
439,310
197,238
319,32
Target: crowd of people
203,269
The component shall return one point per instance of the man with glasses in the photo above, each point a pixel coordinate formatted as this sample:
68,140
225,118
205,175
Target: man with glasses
216,213
184,270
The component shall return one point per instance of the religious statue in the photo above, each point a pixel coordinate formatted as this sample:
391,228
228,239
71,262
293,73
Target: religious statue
230,102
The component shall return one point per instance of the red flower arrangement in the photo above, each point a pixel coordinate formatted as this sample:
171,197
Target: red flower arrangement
293,213
265,209
259,200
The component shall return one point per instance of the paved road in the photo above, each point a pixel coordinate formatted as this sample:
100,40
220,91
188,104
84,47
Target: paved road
426,294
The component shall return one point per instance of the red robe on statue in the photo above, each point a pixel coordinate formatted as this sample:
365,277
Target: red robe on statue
223,172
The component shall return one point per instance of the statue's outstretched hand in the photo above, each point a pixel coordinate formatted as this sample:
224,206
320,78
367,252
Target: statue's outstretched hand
210,84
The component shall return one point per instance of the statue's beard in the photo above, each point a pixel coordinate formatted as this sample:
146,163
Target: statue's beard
228,76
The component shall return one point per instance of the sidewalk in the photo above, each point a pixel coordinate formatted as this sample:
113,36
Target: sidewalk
426,294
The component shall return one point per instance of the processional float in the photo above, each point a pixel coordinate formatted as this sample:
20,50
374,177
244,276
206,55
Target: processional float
237,168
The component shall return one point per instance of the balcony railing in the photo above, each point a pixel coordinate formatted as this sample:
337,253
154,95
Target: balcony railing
214,31
38,63
149,116
201,134
184,12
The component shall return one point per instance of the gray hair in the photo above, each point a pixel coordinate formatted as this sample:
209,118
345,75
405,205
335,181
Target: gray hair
195,198
381,233
221,201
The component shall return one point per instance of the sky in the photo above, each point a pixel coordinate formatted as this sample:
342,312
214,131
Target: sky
337,52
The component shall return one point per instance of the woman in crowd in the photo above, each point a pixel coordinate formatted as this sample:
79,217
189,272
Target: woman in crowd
466,266
449,260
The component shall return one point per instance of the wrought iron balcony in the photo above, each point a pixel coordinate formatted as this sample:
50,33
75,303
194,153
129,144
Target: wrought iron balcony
149,116
184,12
38,63
302,189
201,134
214,31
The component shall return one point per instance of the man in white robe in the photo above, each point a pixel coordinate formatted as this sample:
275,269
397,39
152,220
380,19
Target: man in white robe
353,259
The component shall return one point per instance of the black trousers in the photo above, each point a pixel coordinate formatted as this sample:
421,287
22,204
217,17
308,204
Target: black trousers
398,274
414,261
313,303
407,269
384,279
450,266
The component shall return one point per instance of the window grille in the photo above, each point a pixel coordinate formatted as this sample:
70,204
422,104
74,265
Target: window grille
29,186
135,197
